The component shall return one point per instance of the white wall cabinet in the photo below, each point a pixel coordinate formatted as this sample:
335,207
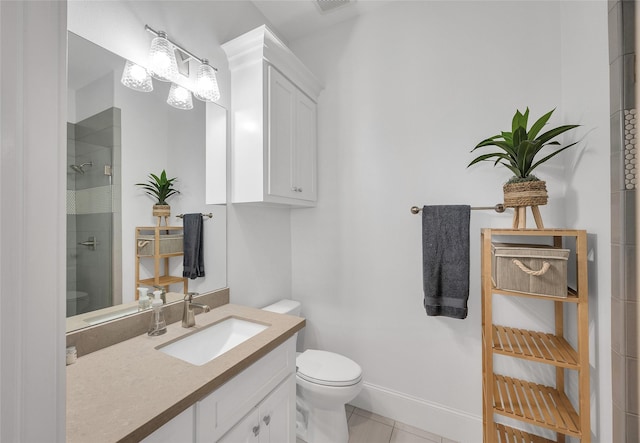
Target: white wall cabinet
274,108
292,145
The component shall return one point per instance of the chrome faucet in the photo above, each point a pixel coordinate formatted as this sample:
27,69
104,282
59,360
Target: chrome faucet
188,316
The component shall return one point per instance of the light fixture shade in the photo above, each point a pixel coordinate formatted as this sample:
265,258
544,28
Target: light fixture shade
206,83
162,59
136,77
180,97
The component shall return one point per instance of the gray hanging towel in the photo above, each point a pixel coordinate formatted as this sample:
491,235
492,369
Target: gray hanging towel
445,254
193,261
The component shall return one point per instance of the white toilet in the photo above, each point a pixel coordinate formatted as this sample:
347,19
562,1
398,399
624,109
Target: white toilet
325,382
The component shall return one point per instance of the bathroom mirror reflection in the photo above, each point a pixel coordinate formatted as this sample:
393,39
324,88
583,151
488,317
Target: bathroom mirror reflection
115,138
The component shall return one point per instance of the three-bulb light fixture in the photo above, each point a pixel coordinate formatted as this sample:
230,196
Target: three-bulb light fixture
164,57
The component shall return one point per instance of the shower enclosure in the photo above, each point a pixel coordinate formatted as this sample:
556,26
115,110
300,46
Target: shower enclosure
92,212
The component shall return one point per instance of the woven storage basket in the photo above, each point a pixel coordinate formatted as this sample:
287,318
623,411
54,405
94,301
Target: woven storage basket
534,269
169,244
532,193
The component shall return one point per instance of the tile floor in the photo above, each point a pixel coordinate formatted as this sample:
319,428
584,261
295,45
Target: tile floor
367,427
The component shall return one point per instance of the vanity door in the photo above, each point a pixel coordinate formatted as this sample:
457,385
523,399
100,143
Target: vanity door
246,431
272,421
277,414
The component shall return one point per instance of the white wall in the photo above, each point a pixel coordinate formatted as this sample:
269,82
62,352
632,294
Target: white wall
409,90
32,221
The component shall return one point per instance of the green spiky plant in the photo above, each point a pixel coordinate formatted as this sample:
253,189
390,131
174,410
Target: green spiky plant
518,148
160,187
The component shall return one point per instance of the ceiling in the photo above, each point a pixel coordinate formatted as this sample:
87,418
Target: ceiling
294,19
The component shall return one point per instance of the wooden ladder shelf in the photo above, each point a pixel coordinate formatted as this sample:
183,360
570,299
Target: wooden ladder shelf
532,403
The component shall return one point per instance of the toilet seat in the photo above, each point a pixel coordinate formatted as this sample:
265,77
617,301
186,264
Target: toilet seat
327,368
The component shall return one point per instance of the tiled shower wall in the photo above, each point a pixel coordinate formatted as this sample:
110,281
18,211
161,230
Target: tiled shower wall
624,182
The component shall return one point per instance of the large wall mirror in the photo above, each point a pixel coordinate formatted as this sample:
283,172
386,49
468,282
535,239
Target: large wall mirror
116,137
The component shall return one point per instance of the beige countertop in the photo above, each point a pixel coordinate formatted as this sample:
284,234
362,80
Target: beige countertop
126,391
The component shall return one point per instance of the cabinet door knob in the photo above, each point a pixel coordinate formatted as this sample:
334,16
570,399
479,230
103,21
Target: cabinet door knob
299,189
266,419
256,430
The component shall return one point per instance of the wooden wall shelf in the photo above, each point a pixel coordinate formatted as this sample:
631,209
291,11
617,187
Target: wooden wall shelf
161,275
531,403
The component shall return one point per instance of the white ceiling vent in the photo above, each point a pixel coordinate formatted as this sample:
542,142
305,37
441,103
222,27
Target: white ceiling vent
326,5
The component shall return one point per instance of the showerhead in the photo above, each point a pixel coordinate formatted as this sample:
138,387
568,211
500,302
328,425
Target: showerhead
80,168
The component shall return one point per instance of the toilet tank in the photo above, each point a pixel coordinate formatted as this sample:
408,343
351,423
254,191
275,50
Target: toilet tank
285,306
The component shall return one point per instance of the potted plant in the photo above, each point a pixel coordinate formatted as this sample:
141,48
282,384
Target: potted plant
160,188
517,152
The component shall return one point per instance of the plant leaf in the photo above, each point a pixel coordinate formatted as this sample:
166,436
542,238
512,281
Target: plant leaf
555,132
485,157
515,122
544,159
539,124
487,142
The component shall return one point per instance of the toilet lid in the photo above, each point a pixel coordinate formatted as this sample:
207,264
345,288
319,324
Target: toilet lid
327,368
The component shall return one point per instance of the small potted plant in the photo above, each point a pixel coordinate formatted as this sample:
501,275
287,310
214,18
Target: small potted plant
517,152
160,188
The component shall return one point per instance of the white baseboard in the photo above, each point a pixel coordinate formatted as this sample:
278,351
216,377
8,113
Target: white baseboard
438,419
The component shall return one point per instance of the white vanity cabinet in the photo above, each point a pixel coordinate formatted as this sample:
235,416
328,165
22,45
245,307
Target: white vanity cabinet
270,422
274,108
257,405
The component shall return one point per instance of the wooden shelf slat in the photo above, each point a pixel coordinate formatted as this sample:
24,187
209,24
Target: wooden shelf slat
547,232
506,434
536,346
536,404
572,295
171,254
162,281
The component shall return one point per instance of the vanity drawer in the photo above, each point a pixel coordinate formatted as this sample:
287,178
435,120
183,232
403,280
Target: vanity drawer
223,408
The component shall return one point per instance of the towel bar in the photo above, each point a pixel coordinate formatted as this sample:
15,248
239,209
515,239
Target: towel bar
209,215
498,208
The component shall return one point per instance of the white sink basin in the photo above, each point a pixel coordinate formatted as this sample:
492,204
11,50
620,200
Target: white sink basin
210,342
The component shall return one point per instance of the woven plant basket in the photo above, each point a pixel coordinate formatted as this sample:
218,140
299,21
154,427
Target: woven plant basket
161,210
532,193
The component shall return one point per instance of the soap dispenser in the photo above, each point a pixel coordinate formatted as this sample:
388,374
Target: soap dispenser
158,325
144,301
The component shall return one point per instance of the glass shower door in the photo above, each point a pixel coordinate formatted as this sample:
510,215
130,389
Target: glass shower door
91,144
